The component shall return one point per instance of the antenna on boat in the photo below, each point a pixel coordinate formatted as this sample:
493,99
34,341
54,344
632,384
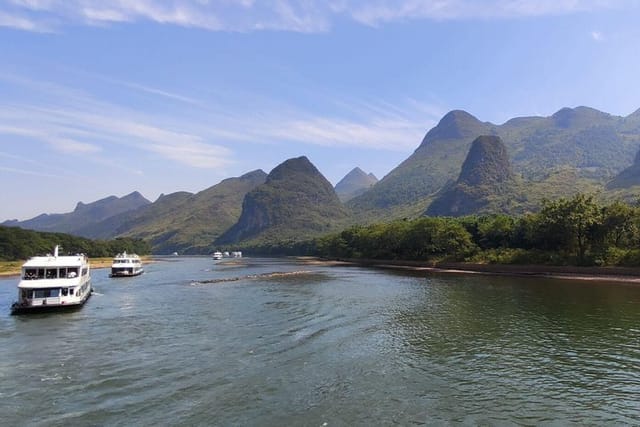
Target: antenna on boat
55,251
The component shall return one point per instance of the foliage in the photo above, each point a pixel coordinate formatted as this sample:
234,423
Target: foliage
567,231
575,150
18,244
295,202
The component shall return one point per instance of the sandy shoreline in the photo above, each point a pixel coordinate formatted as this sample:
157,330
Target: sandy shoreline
602,274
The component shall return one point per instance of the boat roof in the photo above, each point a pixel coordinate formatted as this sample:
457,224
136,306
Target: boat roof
59,261
125,255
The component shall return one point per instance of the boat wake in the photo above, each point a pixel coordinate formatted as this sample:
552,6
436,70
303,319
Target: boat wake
271,275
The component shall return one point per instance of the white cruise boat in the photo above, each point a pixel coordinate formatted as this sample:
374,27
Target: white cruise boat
126,265
53,282
217,255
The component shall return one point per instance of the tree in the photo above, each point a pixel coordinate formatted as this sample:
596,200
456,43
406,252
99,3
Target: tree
569,224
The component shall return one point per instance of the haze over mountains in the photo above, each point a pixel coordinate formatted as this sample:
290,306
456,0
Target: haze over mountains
462,166
354,183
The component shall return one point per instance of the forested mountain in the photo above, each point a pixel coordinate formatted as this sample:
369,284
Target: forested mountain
83,214
485,178
512,169
436,161
627,178
184,222
295,202
573,150
354,183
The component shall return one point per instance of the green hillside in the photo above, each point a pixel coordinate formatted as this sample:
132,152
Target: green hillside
589,146
184,222
295,202
486,183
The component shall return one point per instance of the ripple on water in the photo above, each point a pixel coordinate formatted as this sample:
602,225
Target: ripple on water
342,346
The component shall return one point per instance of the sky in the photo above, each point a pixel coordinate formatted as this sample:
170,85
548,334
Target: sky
107,97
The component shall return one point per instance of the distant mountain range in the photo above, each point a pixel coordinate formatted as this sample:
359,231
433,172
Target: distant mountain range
84,215
354,183
462,166
574,150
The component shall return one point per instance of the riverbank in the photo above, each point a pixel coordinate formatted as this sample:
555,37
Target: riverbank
12,268
613,274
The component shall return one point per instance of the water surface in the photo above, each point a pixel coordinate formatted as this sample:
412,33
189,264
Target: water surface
336,345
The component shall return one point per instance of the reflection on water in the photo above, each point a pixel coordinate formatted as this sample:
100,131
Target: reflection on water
312,344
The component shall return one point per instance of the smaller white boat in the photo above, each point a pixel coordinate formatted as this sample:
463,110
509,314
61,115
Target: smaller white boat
217,255
126,265
236,254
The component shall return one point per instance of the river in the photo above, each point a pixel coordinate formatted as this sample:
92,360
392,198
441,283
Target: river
200,342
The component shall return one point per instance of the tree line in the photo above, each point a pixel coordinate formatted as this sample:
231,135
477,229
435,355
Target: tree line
567,231
18,244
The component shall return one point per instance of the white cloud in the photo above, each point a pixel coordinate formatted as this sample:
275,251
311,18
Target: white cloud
27,172
68,145
597,36
285,15
20,22
75,122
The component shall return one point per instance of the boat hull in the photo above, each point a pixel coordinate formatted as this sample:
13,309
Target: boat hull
17,308
124,274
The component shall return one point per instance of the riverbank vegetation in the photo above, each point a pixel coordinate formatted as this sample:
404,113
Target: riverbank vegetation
575,231
19,244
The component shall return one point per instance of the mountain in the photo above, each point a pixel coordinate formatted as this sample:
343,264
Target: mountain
182,221
582,144
435,162
354,183
485,176
83,215
627,178
295,202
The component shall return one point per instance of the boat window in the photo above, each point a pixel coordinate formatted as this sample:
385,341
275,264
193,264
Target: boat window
30,273
62,273
85,270
46,293
70,291
72,272
25,294
65,291
41,273
51,273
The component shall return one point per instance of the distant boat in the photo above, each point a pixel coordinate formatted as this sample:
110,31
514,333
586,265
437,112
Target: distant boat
236,254
53,282
217,255
175,254
126,265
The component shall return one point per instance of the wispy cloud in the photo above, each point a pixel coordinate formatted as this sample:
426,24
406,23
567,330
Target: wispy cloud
286,15
377,12
19,21
27,172
72,121
597,36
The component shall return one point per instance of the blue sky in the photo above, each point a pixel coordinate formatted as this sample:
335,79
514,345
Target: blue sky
105,97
